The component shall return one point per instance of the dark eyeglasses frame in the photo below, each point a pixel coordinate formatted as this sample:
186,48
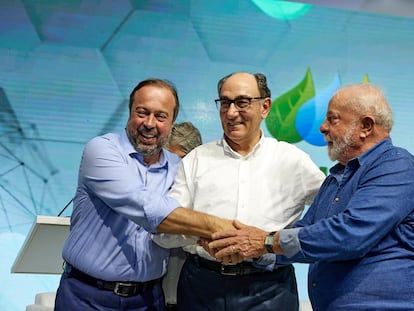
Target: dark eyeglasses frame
238,103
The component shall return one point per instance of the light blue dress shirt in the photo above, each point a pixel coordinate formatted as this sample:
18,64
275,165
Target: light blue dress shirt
119,201
358,234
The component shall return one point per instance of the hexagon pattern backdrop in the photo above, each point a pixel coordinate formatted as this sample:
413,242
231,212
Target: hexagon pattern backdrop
67,68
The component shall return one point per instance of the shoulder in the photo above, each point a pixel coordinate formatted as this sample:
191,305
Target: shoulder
204,153
103,144
282,147
396,158
384,152
401,152
291,157
207,148
172,158
109,138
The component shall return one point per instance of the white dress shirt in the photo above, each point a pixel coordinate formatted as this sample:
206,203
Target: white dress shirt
268,188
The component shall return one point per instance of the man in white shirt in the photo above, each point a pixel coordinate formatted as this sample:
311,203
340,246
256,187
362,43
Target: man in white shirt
254,179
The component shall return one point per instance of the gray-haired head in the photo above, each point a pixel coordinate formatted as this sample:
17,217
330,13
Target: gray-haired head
367,99
185,136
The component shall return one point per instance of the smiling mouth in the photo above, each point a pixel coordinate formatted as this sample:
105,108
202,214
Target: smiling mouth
234,124
147,139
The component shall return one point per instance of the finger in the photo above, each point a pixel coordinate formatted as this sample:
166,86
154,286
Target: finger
204,244
204,239
238,225
239,258
224,252
223,234
234,258
227,260
224,242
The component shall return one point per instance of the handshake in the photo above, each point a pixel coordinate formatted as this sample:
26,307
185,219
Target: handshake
234,246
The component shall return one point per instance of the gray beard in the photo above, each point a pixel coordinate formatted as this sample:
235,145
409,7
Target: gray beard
341,147
149,151
146,150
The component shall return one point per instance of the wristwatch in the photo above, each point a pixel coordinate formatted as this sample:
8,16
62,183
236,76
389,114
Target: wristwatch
269,240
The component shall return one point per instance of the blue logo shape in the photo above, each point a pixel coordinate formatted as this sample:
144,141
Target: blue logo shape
311,115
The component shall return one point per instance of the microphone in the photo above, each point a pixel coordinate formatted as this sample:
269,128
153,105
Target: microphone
67,204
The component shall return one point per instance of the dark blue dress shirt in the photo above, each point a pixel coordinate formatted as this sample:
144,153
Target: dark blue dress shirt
358,235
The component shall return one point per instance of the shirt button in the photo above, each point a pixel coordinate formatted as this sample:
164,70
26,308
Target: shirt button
336,199
313,284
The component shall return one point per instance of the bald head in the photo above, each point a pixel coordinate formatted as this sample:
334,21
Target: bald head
366,99
259,77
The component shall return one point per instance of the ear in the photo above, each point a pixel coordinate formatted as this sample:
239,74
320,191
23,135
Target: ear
267,104
367,126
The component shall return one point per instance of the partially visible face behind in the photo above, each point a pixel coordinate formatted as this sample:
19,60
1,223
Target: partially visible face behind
341,130
151,120
243,126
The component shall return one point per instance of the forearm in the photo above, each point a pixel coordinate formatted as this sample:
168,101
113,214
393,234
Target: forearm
190,222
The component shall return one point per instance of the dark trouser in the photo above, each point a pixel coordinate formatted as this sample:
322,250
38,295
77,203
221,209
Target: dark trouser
202,289
74,295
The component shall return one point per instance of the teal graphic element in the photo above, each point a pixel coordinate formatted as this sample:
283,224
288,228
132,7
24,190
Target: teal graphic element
283,10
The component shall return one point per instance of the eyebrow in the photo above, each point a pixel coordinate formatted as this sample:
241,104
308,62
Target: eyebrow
239,97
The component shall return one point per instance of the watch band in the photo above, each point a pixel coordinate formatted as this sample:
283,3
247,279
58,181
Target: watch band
269,242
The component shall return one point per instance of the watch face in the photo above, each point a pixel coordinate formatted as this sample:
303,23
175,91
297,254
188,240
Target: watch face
269,243
269,240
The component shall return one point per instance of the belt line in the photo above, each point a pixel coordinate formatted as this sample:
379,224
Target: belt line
125,289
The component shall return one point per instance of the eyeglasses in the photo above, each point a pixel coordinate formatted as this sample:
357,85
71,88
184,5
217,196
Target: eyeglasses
240,103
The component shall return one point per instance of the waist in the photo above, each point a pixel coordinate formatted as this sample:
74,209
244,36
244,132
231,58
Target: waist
120,288
243,268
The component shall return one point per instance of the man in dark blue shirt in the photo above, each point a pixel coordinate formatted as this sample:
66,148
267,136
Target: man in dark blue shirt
358,235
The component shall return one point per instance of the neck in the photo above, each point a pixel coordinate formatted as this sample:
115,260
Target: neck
367,145
243,147
152,159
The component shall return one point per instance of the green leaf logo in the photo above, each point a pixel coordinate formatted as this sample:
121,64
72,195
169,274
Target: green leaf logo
281,119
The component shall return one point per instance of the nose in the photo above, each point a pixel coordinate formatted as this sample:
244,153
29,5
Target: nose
232,109
150,121
324,127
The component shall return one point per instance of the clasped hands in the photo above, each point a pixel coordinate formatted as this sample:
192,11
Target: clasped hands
234,246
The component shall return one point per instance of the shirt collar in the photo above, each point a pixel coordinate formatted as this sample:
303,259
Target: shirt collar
363,158
129,149
379,148
228,150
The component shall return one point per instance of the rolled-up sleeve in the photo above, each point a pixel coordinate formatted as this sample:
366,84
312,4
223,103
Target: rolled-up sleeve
113,177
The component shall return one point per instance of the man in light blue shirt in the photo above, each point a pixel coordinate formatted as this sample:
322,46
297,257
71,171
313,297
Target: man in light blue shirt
358,235
111,262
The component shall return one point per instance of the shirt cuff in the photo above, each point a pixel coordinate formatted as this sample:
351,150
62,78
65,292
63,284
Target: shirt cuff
173,240
265,262
289,241
157,209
